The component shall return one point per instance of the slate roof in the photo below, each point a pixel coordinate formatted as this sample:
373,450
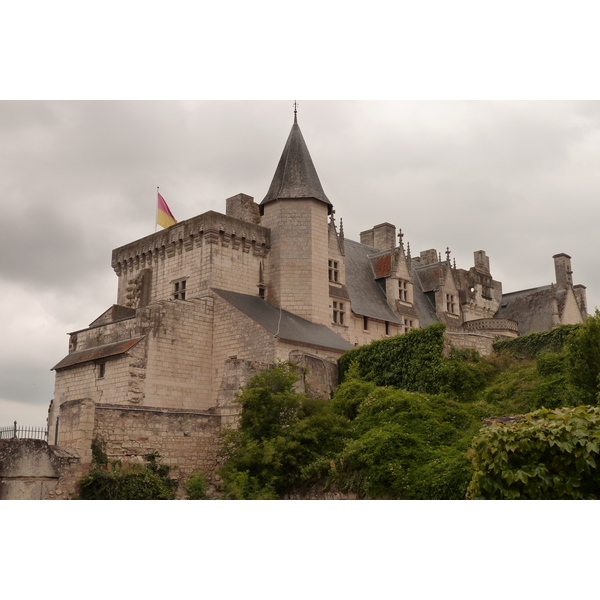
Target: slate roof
430,276
95,353
295,176
366,295
284,324
425,308
532,308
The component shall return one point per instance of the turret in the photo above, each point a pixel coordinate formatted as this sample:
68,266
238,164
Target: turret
295,209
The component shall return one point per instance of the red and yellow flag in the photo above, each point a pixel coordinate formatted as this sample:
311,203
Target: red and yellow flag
164,217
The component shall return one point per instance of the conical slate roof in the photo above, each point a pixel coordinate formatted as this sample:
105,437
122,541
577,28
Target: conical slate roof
296,176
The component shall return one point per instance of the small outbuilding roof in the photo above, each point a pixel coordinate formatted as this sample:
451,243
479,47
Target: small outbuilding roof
96,353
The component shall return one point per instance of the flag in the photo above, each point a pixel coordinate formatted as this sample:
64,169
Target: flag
164,217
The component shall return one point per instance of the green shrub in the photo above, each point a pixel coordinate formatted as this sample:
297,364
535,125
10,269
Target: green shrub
114,481
464,380
582,353
413,361
405,445
281,433
545,455
196,487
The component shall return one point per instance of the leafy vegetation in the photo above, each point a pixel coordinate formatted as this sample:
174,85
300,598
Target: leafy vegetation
281,433
547,455
529,346
116,481
404,416
413,361
196,487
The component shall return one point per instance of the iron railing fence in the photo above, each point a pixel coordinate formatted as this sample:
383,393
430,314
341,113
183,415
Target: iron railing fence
32,433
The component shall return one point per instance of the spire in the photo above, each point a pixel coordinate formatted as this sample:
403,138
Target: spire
295,176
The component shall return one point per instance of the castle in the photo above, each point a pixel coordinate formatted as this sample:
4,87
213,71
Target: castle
204,304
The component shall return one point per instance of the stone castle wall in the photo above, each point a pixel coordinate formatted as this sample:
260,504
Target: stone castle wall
210,250
184,440
470,341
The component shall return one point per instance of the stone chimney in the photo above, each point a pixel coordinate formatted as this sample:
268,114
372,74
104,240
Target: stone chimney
481,260
244,208
581,298
562,267
429,257
382,236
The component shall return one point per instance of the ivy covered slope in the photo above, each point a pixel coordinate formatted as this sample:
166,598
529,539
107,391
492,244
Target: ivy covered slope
404,417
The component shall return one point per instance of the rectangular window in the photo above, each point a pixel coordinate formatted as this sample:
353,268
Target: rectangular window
338,313
101,370
366,323
408,325
450,304
403,290
387,328
334,273
179,288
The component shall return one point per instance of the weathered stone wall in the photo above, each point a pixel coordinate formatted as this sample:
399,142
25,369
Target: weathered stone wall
321,376
170,367
469,341
177,371
76,427
187,440
32,470
107,333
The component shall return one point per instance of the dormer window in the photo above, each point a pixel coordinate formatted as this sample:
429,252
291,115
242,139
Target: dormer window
403,290
334,272
450,304
179,289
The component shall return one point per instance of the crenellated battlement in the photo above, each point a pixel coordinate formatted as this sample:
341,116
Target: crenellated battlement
209,228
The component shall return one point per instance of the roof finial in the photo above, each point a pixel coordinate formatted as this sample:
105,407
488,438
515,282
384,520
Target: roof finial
400,238
295,112
447,253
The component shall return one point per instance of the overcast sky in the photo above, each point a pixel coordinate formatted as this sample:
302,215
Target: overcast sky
519,180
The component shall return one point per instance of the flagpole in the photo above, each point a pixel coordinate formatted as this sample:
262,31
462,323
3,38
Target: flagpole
156,218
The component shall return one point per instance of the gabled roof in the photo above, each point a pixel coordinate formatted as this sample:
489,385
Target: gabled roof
366,296
295,176
430,276
532,308
283,324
